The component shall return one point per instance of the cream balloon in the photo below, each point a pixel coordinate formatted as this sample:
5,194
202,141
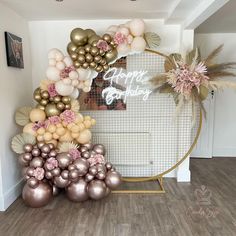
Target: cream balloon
60,65
52,62
84,137
68,61
37,114
124,31
137,27
83,73
55,53
75,93
63,89
73,75
29,129
53,73
123,50
138,44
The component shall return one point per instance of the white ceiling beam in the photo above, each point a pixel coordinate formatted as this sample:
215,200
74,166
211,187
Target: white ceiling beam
171,12
202,12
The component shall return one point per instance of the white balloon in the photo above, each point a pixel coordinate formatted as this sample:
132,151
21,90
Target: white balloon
83,73
53,53
73,75
138,44
86,89
137,27
75,93
93,74
60,65
59,57
67,60
63,89
112,28
53,73
67,81
75,82
123,49
52,62
124,31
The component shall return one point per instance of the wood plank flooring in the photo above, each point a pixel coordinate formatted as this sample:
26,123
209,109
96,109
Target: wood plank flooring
176,213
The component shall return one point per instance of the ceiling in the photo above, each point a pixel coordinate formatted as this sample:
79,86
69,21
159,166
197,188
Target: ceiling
103,9
223,21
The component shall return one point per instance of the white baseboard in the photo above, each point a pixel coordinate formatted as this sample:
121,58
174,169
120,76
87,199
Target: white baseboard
184,176
10,196
224,152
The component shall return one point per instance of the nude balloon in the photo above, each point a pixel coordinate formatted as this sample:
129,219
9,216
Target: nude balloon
137,27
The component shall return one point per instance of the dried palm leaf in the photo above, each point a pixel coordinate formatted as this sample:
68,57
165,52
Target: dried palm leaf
22,116
158,80
203,92
212,55
220,67
153,40
66,146
194,54
20,140
220,74
221,84
165,88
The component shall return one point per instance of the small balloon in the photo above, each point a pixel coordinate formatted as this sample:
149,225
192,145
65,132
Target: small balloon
64,160
45,148
111,55
36,152
27,157
32,182
88,177
28,147
99,149
56,172
85,154
36,162
65,174
55,190
113,179
60,182
93,170
82,166
52,110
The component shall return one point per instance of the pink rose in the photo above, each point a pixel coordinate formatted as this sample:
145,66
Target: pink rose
120,38
51,163
102,44
54,120
75,153
68,116
52,90
39,173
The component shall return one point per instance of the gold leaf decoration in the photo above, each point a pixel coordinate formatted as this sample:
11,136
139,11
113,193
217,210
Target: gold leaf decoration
75,105
22,116
152,39
66,146
20,140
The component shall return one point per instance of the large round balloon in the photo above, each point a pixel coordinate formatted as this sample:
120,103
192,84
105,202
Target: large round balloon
97,189
77,191
39,196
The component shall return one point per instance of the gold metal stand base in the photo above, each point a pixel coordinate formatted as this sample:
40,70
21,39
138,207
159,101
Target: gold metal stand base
130,191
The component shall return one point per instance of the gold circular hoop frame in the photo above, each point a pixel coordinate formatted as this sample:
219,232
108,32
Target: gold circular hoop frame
186,155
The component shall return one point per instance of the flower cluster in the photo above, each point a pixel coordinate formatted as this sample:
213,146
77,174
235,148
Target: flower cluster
97,159
120,38
186,77
75,153
103,45
52,90
68,116
65,72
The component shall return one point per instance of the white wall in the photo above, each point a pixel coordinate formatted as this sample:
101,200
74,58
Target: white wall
15,91
224,138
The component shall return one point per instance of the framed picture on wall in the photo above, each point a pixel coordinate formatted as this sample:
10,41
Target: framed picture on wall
14,50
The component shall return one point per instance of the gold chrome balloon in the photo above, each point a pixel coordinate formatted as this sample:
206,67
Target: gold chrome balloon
52,110
93,65
111,56
81,51
60,106
94,51
101,52
45,94
81,59
79,37
87,47
99,68
67,106
71,48
74,56
66,100
57,99
107,37
85,65
40,107
93,38
77,64
44,102
90,32
105,67
97,59
88,57
37,97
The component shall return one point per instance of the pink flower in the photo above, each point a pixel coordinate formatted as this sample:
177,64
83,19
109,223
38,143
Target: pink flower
65,73
43,124
54,120
75,153
39,173
68,116
184,78
51,163
102,44
97,159
52,90
120,38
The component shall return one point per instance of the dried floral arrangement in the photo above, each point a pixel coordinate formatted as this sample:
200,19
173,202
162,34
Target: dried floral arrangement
191,78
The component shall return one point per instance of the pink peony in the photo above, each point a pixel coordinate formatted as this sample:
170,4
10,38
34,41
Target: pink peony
51,163
102,44
52,90
39,173
120,38
40,124
184,78
75,153
53,120
68,116
97,159
65,73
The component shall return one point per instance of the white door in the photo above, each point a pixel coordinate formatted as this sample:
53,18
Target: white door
204,147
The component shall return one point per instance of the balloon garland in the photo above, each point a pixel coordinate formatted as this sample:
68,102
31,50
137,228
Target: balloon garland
55,147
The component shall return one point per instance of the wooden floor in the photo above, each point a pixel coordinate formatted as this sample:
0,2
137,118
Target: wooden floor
186,209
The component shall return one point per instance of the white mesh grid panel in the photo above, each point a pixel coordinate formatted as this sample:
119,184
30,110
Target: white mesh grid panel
145,139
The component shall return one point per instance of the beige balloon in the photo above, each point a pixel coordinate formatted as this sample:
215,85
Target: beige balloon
37,115
84,137
29,129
